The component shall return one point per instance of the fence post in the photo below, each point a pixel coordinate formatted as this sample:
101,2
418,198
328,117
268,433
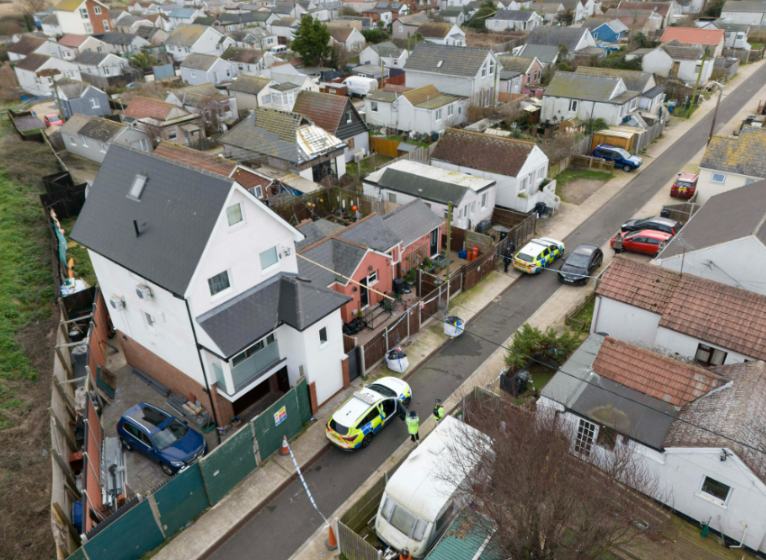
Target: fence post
156,514
385,336
256,450
361,361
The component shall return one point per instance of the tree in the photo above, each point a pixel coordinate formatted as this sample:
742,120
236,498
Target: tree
543,345
566,18
545,502
143,60
212,114
312,41
339,58
713,8
27,8
348,12
596,124
487,10
375,36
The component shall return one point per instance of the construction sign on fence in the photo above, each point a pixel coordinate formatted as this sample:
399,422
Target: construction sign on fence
280,416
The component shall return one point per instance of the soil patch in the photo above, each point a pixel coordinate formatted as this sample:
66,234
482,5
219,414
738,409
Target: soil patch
579,190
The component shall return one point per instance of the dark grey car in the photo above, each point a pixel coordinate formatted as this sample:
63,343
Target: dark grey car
581,262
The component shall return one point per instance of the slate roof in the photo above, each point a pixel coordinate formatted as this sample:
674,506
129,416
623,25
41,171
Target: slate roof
518,64
71,40
745,6
505,156
458,61
32,62
728,216
336,254
74,124
323,109
249,84
581,86
693,35
435,30
412,221
387,49
176,214
744,155
283,9
207,21
636,19
195,95
116,38
198,61
728,26
72,89
100,129
715,313
678,52
143,107
661,8
239,54
634,80
90,58
312,234
182,13
370,232
282,299
555,36
544,53
185,35
147,32
513,15
195,158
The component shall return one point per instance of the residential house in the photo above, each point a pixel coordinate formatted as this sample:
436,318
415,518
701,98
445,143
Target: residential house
573,38
127,43
128,23
676,61
668,10
529,68
184,16
731,162
164,121
285,27
690,6
227,23
462,71
455,16
422,234
71,46
294,10
746,12
724,241
156,36
650,94
690,429
78,97
380,12
518,168
249,91
92,137
158,20
50,26
472,198
281,96
36,73
82,16
360,22
29,44
287,141
243,60
349,38
513,20
206,100
204,68
687,315
105,69
406,26
386,54
545,54
423,110
223,318
736,33
338,116
254,38
581,96
640,21
376,72
581,9
711,39
199,39
605,30
440,33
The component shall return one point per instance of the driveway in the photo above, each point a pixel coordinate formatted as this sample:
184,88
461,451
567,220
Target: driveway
335,476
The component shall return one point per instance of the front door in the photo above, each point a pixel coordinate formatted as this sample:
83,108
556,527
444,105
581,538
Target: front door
675,69
434,242
283,381
364,296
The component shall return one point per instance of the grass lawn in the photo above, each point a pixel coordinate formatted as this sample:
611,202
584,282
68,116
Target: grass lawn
541,375
573,174
756,46
368,164
82,267
586,313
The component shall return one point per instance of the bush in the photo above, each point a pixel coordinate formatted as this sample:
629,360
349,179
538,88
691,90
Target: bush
531,342
596,124
375,36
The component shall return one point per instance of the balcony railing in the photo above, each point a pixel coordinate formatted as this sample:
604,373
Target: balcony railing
249,369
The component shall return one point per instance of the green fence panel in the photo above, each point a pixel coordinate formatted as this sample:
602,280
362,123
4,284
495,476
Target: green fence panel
130,536
283,418
182,499
77,555
304,401
228,464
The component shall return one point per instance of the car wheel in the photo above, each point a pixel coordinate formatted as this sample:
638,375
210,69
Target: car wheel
366,441
166,469
627,168
125,445
406,402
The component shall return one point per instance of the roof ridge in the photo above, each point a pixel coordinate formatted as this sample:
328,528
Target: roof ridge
172,162
487,136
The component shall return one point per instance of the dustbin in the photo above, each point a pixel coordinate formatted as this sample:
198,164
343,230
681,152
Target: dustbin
399,286
454,326
396,360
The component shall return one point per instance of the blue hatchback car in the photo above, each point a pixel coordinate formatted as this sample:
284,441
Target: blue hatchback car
161,437
620,157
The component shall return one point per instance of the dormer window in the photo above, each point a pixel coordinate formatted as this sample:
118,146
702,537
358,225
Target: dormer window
139,182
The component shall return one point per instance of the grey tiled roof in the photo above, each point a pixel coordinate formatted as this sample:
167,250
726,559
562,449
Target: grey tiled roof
342,257
176,215
269,132
745,6
313,234
90,58
101,129
634,80
514,15
72,89
282,299
115,38
555,36
416,185
582,86
199,61
371,233
412,221
543,53
249,84
458,61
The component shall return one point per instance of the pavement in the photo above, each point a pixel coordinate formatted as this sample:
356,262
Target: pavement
269,513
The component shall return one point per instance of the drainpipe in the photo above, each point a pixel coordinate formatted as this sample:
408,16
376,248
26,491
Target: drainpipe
742,542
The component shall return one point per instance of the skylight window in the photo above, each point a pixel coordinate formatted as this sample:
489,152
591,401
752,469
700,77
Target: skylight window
439,64
139,182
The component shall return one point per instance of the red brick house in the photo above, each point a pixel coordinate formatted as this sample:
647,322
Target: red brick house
83,17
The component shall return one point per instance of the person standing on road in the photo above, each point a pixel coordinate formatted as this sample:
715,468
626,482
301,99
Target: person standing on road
438,410
617,246
413,426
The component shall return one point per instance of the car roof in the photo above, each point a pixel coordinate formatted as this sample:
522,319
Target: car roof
584,249
660,220
537,246
651,233
355,407
610,146
688,177
146,416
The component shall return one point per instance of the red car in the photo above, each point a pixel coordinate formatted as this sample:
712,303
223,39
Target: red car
53,118
685,185
645,241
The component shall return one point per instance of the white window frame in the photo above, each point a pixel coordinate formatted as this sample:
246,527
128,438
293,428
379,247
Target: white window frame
97,10
573,104
271,266
241,220
84,141
193,73
84,13
750,181
174,132
88,27
484,199
372,279
373,106
258,191
450,110
709,497
585,437
438,115
392,197
720,181
149,320
106,25
72,141
103,148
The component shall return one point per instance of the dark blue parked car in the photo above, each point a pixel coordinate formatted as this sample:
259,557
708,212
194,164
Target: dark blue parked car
161,437
620,157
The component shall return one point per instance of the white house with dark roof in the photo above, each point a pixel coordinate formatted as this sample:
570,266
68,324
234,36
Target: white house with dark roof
101,64
187,39
442,33
205,295
183,16
575,39
747,12
78,97
693,432
71,46
29,44
581,96
385,53
204,100
513,20
123,42
199,69
29,70
91,137
674,60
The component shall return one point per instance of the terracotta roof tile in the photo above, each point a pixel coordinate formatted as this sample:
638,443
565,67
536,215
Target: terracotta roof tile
195,158
637,284
143,107
249,179
72,40
505,156
693,36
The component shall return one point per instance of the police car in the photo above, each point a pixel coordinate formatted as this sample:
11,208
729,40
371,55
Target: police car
538,254
362,416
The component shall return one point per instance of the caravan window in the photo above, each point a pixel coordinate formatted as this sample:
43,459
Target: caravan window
403,520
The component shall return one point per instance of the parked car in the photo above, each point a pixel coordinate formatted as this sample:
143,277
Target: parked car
581,262
362,416
620,157
685,185
537,254
160,436
53,119
646,241
658,223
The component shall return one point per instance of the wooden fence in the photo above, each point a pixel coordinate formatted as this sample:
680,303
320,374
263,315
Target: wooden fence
349,343
593,163
420,154
324,202
651,134
384,147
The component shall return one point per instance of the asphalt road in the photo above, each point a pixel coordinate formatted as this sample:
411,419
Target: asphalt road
289,520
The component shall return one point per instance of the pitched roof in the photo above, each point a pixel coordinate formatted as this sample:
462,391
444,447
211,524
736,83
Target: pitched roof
516,63
634,80
636,19
446,59
26,45
505,156
147,32
338,255
555,36
745,6
195,158
72,40
143,107
678,52
312,233
728,26
586,87
435,30
743,155
282,299
655,375
412,221
91,58
341,34
196,95
370,232
32,62
544,53
387,49
428,97
693,35
186,35
725,217
661,8
182,12
101,129
117,38
72,89
323,109
737,412
239,54
198,61
514,15
72,5
249,84
74,124
721,315
178,209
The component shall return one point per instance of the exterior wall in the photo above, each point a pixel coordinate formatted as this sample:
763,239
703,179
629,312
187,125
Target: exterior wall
70,22
421,120
424,241
685,345
361,140
511,25
220,71
534,73
706,188
29,82
559,107
455,85
84,106
742,262
384,116
401,30
99,21
625,322
749,18
606,34
208,43
245,101
379,264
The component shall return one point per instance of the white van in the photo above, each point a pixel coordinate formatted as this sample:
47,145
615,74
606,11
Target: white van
279,49
421,499
361,86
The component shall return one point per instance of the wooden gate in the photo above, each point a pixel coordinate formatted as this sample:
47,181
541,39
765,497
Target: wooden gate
354,369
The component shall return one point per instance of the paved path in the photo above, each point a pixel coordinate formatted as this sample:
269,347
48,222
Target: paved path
289,520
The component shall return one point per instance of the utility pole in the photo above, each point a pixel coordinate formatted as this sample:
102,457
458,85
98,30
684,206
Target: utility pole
715,111
449,240
52,73
697,84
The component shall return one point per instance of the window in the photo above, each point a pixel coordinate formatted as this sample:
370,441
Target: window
88,27
255,348
97,10
106,70
220,380
99,49
450,110
94,103
541,173
484,200
323,335
586,432
106,24
193,73
523,186
103,147
573,105
709,356
484,71
139,181
373,107
72,141
607,437
438,114
172,134
269,258
84,13
372,278
348,117
234,214
219,283
84,141
491,68
473,207
149,320
715,489
749,181
144,144
258,191
392,197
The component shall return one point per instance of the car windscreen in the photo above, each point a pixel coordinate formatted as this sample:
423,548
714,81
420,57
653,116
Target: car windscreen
382,389
403,520
685,184
524,257
621,152
578,260
170,434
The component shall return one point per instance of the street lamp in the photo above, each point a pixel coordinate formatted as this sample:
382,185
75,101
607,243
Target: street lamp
715,112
